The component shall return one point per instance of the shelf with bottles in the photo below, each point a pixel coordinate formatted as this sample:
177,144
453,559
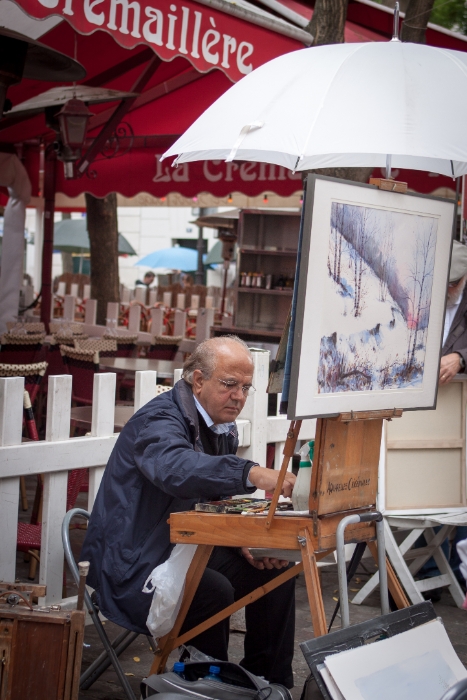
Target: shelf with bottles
259,281
257,290
269,251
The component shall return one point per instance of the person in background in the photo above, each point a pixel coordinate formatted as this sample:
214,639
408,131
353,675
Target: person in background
453,359
148,279
454,351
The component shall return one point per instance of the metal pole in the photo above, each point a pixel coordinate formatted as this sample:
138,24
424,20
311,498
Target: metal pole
341,569
48,230
199,277
383,572
395,32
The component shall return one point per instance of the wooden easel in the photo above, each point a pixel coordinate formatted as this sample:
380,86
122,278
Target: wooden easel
344,481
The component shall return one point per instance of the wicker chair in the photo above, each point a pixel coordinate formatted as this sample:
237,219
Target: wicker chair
18,347
33,374
82,362
29,534
164,347
126,345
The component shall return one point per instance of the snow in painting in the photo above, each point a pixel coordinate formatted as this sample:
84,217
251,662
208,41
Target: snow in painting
377,299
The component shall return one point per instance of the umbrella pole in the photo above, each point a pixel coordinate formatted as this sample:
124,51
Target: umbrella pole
224,286
48,243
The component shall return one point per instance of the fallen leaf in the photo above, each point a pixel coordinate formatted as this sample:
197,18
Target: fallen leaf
136,658
355,590
129,674
336,599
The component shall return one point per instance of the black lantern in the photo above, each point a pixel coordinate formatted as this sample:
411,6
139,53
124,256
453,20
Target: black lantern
73,119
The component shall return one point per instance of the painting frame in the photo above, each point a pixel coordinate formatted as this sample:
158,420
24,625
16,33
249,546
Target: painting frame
412,382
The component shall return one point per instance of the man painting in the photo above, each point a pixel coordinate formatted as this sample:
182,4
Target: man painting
179,449
454,352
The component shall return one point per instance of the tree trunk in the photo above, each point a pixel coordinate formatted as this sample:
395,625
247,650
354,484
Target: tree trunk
416,19
328,22
103,238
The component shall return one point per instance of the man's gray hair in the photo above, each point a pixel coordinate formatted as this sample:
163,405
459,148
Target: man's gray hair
205,355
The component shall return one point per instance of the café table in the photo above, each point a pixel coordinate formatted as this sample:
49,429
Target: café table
81,417
164,368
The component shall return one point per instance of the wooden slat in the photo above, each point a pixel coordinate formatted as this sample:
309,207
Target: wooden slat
102,425
437,444
246,600
145,387
38,457
235,530
55,490
11,415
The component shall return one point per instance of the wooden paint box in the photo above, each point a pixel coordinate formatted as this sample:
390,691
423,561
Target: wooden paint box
40,651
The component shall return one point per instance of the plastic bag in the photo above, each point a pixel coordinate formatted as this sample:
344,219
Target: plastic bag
167,582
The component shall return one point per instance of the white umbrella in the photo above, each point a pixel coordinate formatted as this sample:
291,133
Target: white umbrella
347,105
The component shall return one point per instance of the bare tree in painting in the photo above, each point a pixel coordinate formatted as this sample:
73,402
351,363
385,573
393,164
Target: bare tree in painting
362,230
421,276
387,259
335,248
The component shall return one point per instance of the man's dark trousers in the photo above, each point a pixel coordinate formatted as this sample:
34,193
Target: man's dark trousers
270,621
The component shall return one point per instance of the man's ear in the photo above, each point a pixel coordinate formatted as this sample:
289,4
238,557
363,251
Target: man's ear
198,381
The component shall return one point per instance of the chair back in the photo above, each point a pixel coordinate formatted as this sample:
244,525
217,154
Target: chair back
33,374
126,345
16,347
82,366
164,347
76,479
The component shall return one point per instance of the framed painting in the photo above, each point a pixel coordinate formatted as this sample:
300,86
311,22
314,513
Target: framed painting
370,299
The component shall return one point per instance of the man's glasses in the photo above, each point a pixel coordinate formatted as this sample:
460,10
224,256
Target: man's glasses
231,386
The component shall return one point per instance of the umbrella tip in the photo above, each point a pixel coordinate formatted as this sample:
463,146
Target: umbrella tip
395,32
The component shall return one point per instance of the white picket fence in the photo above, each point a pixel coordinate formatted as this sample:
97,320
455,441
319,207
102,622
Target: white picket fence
58,453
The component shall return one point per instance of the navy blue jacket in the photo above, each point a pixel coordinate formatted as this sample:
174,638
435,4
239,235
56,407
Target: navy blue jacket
157,467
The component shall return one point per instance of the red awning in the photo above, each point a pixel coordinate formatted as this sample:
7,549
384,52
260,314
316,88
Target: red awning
184,85
207,37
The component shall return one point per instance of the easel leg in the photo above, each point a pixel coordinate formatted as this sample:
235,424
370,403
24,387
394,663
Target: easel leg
313,587
394,586
193,577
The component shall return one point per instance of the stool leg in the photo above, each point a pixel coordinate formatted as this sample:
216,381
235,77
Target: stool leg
24,498
33,564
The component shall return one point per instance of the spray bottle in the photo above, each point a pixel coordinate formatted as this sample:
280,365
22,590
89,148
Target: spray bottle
301,491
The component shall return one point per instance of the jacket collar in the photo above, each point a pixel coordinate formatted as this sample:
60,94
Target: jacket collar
452,337
183,396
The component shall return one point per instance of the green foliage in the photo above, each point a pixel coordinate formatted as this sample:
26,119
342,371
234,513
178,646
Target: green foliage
451,14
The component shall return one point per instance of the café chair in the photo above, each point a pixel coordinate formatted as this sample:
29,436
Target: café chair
82,362
164,347
111,650
29,535
20,346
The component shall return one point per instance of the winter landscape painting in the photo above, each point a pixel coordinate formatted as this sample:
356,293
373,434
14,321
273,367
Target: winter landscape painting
380,268
370,299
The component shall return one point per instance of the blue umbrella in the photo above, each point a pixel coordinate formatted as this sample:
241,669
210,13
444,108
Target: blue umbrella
177,258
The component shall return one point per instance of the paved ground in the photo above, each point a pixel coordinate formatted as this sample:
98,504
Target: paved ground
137,659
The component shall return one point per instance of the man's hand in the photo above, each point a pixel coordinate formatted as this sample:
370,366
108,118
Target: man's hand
450,366
265,563
266,479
